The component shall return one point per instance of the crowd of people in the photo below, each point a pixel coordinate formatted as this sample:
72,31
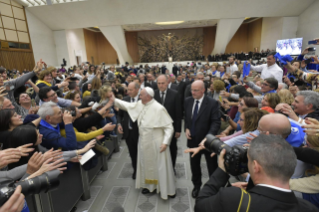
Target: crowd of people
50,117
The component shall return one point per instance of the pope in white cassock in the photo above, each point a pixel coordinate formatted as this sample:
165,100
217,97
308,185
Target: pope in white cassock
154,165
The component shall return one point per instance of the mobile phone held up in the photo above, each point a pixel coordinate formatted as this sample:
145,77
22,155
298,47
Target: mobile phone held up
312,42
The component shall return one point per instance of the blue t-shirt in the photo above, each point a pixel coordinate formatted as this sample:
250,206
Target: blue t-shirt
297,134
237,116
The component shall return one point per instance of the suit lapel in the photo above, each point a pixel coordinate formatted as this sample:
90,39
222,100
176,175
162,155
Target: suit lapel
202,107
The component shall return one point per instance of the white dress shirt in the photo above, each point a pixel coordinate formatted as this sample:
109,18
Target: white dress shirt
275,187
233,68
199,104
269,71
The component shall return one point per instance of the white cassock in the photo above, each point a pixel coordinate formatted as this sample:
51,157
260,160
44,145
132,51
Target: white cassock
154,169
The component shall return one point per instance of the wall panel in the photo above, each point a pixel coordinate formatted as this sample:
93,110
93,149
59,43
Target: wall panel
247,37
239,41
17,59
98,49
254,34
91,46
209,34
106,52
132,46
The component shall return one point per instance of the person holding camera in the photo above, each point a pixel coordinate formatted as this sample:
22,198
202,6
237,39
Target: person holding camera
271,163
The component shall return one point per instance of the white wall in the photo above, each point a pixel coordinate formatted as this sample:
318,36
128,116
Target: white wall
76,45
308,26
42,40
277,28
271,31
289,27
62,50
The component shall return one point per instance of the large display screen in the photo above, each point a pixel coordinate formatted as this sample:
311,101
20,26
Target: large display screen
289,46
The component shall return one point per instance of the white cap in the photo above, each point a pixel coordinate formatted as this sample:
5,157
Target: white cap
150,91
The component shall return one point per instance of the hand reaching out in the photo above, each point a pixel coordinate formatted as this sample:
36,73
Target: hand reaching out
8,156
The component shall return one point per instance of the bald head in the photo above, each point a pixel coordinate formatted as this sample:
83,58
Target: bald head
281,126
162,82
198,89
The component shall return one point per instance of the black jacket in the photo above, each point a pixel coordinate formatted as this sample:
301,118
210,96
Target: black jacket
124,118
314,114
214,197
207,120
173,106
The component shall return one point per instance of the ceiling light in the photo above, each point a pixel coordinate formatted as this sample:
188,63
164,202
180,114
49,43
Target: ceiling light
169,22
247,18
96,27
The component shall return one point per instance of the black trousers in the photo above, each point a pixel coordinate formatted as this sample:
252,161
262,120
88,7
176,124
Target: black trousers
173,150
211,163
131,142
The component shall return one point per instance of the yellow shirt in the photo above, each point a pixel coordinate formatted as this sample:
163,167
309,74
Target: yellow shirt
83,136
86,93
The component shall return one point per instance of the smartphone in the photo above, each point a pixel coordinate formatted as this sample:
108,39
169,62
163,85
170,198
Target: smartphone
312,42
308,61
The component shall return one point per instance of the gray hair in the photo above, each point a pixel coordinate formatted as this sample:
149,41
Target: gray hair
275,155
284,85
310,97
46,109
200,73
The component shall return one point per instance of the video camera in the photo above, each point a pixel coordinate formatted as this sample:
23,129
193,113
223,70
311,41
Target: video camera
235,158
45,182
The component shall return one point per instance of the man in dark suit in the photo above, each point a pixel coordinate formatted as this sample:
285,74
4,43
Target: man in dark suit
271,163
199,76
170,100
128,128
175,69
151,82
202,117
172,82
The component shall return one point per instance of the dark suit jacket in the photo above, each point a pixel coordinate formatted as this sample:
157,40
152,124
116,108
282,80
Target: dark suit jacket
173,86
207,120
154,85
214,197
124,118
173,106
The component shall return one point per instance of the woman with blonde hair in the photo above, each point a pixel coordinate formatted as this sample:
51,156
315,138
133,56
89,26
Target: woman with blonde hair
106,92
45,80
94,85
286,96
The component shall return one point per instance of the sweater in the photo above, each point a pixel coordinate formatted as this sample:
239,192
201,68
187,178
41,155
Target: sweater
83,136
307,185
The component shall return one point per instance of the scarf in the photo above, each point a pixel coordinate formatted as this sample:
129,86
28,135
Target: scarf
214,73
272,91
283,59
41,81
47,125
246,69
222,74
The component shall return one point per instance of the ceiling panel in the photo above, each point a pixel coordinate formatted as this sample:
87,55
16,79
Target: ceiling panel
83,14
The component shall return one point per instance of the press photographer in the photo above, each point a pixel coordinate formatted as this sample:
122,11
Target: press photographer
271,163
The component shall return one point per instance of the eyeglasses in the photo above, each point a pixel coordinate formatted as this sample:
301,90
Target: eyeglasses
265,84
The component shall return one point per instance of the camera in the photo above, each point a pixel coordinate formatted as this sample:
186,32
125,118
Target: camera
43,183
235,158
72,112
